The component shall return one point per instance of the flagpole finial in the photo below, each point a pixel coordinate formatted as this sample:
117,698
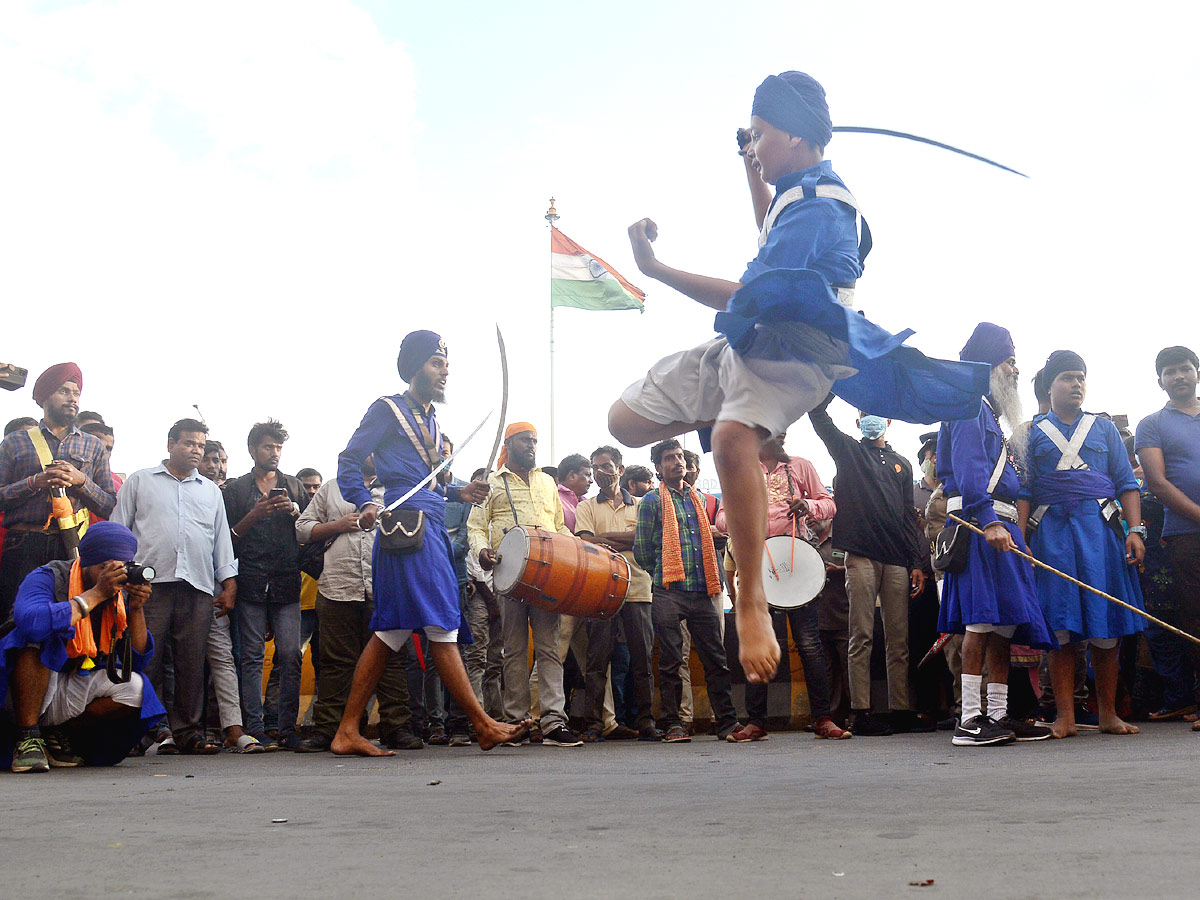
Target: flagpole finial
552,213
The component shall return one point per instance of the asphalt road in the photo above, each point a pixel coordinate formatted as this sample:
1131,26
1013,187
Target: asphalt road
1097,816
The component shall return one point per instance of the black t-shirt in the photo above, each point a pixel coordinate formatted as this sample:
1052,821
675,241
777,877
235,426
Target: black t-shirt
268,553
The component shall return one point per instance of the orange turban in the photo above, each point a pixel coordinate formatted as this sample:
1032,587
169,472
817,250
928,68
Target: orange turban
514,428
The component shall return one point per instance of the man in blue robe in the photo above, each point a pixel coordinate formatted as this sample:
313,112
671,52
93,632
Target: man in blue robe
1077,470
69,705
992,601
789,336
416,589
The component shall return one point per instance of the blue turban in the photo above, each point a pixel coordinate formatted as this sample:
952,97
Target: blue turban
989,344
1062,361
415,350
795,103
104,541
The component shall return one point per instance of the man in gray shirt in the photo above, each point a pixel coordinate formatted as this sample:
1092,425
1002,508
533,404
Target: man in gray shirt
179,520
344,609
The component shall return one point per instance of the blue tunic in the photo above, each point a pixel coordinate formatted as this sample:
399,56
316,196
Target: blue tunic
42,619
1073,535
812,246
416,589
996,588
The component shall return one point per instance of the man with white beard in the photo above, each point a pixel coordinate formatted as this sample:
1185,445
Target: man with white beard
992,599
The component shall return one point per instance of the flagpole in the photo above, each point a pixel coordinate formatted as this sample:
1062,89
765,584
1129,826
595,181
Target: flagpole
552,217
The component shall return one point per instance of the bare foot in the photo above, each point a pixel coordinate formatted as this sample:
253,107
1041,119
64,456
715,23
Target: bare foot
758,648
1063,728
1116,725
491,733
354,744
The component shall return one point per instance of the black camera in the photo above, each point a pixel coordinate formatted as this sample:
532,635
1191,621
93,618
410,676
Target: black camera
136,573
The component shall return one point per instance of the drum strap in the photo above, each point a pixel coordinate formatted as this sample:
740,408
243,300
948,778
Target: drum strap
511,505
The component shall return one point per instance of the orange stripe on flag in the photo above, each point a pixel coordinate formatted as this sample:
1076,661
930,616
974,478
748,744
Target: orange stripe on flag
560,243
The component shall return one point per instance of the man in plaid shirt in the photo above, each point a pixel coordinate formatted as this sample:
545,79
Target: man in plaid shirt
80,467
686,599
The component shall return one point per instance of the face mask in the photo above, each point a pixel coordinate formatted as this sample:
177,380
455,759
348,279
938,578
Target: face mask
929,468
872,427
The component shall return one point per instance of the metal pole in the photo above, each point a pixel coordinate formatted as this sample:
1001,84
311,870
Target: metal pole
552,217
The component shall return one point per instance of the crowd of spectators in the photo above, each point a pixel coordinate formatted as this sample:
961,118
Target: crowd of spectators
268,559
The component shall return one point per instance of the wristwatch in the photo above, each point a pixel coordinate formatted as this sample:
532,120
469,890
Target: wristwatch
84,609
1139,530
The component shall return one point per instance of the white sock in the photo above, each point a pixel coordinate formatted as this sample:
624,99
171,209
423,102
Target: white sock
997,701
972,697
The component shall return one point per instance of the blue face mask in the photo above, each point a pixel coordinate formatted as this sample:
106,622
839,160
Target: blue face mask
872,427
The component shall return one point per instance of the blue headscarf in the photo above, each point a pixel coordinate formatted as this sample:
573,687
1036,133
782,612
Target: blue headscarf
104,541
415,350
795,103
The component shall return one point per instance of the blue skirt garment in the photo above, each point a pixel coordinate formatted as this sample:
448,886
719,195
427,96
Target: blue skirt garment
1074,538
418,589
995,589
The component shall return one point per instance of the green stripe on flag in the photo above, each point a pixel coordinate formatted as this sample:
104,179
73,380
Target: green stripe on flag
600,294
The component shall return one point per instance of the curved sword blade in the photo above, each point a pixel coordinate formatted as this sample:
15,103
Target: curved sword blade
503,402
862,129
428,479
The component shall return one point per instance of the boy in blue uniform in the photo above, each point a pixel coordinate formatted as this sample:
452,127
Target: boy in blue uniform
1078,468
789,337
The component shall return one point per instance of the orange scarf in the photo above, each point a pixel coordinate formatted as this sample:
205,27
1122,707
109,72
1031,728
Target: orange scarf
672,552
84,644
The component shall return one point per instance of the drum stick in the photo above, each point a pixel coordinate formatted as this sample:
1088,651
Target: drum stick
771,561
1087,587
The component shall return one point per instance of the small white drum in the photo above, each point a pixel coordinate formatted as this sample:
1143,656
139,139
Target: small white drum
793,572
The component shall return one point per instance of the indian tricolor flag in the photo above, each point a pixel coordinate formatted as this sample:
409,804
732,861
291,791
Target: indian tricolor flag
584,281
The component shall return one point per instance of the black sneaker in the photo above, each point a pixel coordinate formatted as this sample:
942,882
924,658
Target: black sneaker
403,739
980,731
1025,731
868,724
947,724
58,750
559,736
905,721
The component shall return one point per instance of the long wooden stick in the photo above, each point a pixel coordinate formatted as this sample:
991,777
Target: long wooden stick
1087,587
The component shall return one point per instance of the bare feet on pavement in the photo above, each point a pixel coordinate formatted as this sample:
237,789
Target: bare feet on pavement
354,744
758,648
1063,728
1117,725
493,733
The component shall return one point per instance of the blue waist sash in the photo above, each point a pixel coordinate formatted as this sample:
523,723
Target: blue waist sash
1071,487
893,380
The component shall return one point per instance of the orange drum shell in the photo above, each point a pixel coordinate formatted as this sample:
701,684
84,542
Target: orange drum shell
567,575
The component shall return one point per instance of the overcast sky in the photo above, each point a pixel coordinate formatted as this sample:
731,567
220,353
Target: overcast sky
245,205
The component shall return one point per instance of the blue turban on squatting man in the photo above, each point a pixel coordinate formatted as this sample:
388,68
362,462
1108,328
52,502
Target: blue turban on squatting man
795,103
415,350
1062,361
988,343
104,541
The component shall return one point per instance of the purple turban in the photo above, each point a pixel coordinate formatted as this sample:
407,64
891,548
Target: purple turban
795,103
104,541
415,350
54,378
989,344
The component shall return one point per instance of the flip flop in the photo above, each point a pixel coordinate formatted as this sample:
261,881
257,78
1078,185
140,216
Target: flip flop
167,747
247,744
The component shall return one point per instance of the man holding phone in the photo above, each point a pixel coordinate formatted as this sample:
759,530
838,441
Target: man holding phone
263,505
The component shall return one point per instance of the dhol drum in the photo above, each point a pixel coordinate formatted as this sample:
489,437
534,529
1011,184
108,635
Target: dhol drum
793,572
560,573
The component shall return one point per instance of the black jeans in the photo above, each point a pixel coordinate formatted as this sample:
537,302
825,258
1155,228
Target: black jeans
694,607
180,616
23,552
803,622
602,640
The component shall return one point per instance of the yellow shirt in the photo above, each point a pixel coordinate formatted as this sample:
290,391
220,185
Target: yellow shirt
536,503
597,517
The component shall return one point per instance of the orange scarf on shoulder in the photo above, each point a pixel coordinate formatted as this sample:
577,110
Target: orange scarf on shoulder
672,552
84,642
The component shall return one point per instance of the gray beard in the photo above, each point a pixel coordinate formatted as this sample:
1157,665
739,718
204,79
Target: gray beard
1006,402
